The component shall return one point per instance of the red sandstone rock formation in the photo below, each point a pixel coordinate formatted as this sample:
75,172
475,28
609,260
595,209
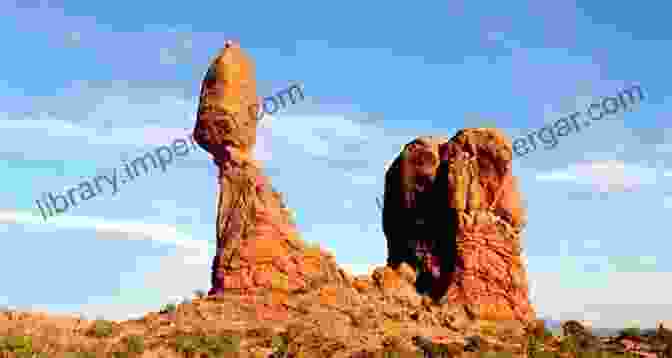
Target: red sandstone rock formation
479,185
258,248
460,194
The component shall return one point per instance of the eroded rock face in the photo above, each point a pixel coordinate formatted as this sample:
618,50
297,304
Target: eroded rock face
407,207
475,179
258,247
460,197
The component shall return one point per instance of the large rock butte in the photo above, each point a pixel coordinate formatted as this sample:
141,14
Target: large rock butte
460,198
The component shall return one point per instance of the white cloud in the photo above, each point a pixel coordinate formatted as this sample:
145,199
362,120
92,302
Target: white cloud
166,234
591,244
166,57
664,148
647,260
667,202
606,176
320,135
563,296
557,175
360,269
362,179
169,281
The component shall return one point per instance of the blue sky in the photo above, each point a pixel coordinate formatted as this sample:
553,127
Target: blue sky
87,85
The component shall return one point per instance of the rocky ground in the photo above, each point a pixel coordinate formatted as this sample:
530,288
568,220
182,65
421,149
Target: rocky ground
365,318
368,315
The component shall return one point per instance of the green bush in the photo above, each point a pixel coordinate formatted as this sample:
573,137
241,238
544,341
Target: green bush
187,344
101,328
568,345
21,345
135,344
534,346
169,308
280,345
216,346
16,344
631,331
211,345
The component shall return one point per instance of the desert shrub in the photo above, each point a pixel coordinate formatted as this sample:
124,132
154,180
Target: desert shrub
535,344
169,308
187,344
218,345
135,344
568,345
280,345
101,328
439,350
630,331
199,293
210,345
16,344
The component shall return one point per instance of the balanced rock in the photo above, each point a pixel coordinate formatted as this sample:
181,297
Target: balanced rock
259,250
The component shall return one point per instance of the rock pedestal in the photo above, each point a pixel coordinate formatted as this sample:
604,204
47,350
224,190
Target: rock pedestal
258,247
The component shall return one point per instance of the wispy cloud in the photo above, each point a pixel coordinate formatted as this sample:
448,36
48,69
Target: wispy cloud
166,234
605,176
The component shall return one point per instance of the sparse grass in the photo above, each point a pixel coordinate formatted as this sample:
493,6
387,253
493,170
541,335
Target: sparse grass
135,344
213,346
101,328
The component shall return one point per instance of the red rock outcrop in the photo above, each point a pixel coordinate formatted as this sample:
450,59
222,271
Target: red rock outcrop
477,182
456,199
461,197
259,251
